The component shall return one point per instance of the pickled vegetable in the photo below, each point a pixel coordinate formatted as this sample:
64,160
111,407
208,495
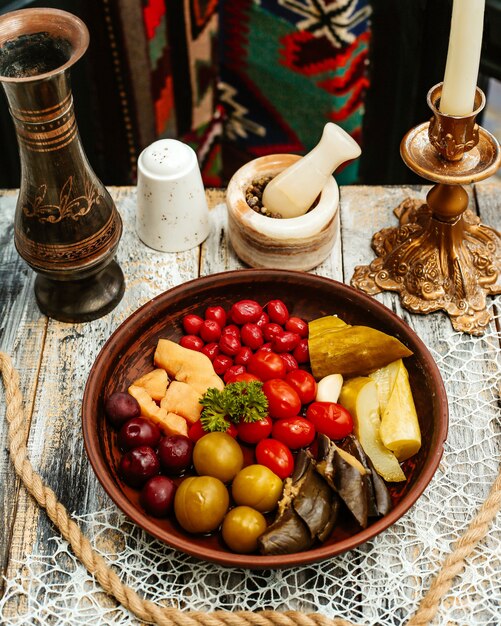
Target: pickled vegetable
346,475
329,323
399,421
379,499
241,529
201,503
258,487
360,397
352,350
329,388
307,510
218,455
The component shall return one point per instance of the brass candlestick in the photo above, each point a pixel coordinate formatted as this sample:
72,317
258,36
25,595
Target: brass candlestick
441,256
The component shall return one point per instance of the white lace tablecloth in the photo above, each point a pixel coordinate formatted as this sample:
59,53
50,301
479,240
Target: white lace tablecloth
380,582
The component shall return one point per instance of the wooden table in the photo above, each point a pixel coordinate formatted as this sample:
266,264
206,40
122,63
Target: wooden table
54,360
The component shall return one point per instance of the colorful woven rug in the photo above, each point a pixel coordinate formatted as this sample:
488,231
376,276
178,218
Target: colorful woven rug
240,79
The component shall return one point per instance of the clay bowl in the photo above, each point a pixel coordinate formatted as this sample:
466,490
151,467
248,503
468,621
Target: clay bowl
129,353
297,243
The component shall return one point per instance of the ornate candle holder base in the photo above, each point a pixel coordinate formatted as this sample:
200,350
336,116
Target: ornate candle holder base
441,257
414,260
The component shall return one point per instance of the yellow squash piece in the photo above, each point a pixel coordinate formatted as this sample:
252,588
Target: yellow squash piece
169,423
399,421
155,383
359,396
187,366
352,351
182,399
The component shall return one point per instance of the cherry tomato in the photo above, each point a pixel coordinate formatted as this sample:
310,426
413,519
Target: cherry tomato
264,319
232,372
216,313
266,365
211,350
277,311
252,336
246,311
210,331
304,384
243,356
271,330
231,329
297,325
301,352
252,432
192,324
221,363
289,360
196,431
283,401
192,342
295,432
229,345
286,342
266,347
330,419
245,377
276,456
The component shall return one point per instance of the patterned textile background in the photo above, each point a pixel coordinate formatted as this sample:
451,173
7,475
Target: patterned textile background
242,78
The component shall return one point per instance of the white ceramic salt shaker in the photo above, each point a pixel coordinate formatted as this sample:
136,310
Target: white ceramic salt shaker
172,212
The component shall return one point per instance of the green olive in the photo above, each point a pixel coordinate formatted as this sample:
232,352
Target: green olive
258,487
242,527
218,455
201,503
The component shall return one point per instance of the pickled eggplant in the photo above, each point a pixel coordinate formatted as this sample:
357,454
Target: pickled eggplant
350,350
287,534
345,474
352,445
379,499
313,502
306,512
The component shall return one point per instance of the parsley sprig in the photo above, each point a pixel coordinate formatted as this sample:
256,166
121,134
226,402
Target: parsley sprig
237,402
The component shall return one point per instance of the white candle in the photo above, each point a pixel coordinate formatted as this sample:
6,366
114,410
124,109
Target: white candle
463,57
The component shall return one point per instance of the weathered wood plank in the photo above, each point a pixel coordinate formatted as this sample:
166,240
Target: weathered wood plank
22,334
488,197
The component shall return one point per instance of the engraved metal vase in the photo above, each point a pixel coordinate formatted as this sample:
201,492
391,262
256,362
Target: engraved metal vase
66,226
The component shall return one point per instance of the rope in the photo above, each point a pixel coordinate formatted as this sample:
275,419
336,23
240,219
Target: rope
166,616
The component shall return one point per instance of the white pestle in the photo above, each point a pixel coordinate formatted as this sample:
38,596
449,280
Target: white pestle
294,190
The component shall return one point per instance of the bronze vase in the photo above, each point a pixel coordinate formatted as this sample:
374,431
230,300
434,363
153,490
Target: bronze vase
66,227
